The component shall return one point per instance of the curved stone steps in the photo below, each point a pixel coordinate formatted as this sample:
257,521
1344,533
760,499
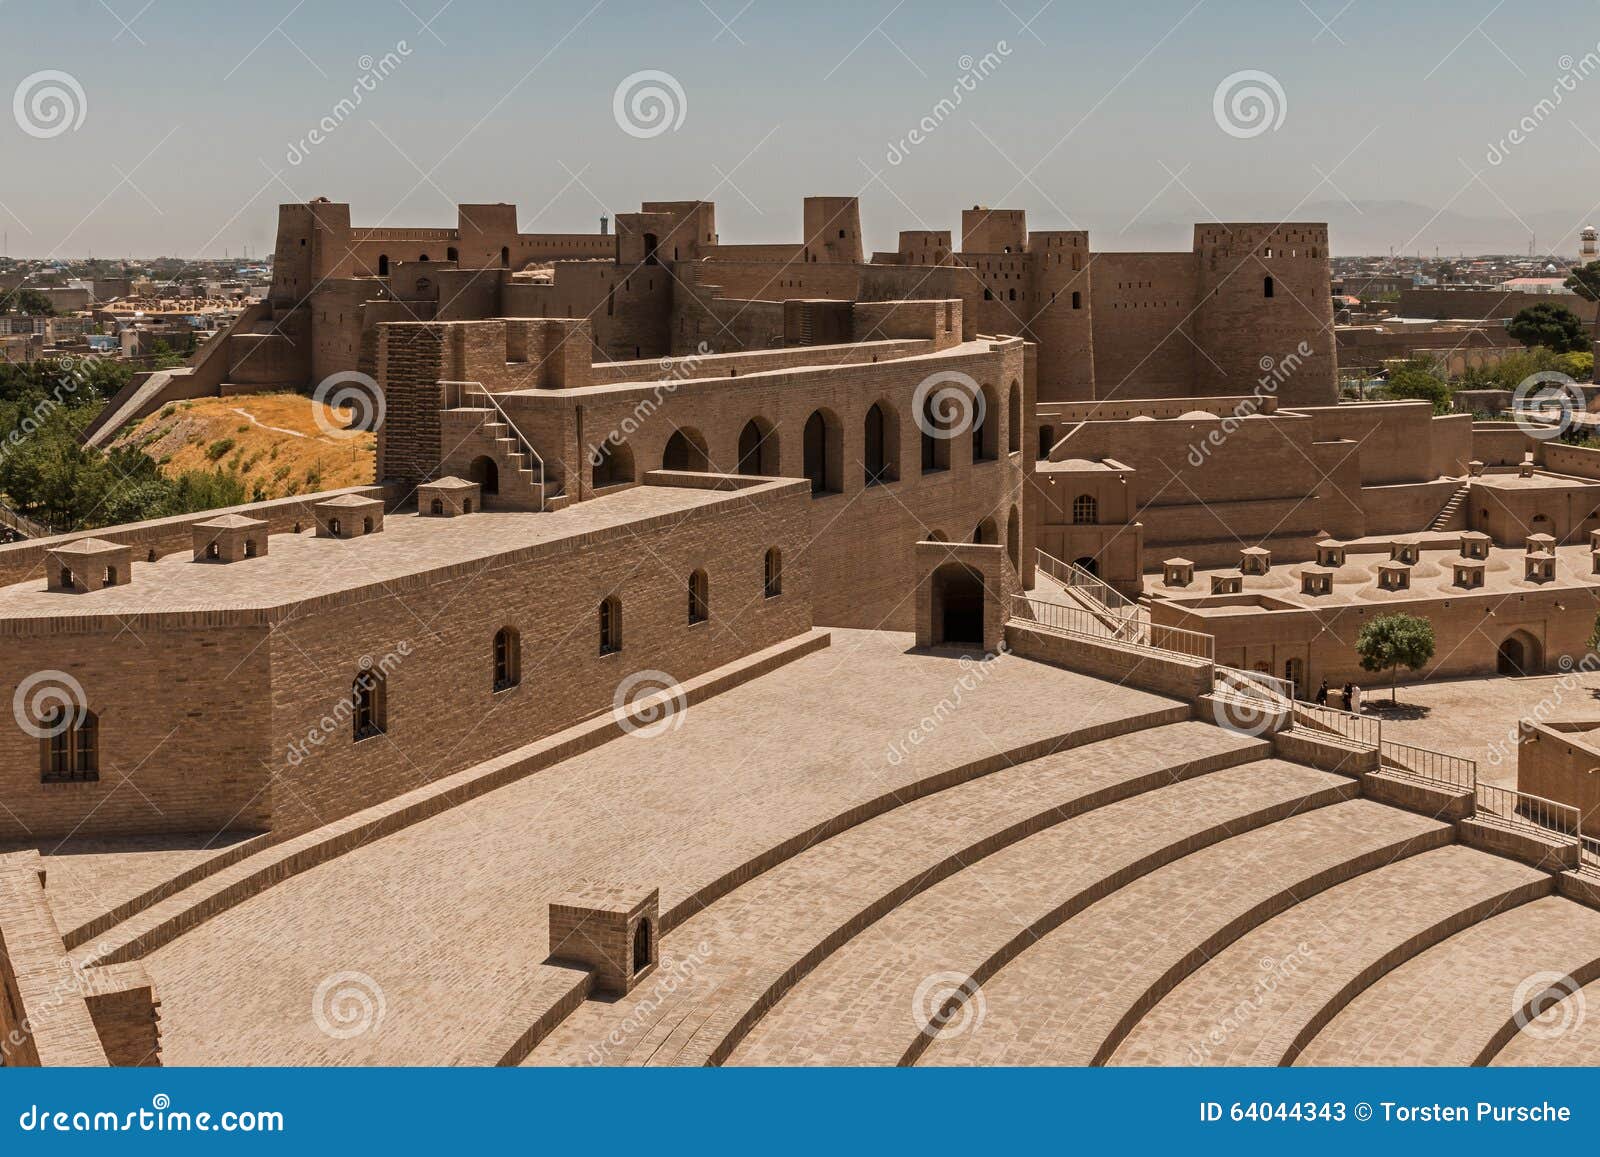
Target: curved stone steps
1072,997
872,1001
1459,1002
1566,1033
1264,997
828,892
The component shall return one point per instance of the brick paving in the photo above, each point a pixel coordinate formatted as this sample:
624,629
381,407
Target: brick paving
1456,1001
1063,1000
1255,1001
738,948
870,1001
1567,1033
448,918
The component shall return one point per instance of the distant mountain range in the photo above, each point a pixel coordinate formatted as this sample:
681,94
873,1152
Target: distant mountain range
1373,227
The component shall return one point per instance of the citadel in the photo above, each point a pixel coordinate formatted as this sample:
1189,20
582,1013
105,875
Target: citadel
785,654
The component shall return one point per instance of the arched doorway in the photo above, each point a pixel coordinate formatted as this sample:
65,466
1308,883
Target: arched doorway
485,473
1089,564
685,451
1519,654
1294,670
758,448
958,605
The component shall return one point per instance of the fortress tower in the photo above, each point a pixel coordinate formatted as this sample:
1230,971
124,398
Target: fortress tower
833,230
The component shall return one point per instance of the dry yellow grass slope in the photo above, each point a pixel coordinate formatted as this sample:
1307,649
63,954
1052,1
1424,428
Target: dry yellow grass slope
280,444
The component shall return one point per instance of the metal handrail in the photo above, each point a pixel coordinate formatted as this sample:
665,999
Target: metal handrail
1067,620
1365,730
522,440
1520,811
1074,577
1425,763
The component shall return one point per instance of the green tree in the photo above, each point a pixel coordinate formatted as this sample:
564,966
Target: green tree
27,301
1585,282
1553,326
1390,642
1419,379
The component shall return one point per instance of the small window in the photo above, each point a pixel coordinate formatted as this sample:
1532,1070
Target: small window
214,550
507,658
70,751
111,576
334,527
1077,300
1266,287
436,506
699,598
366,526
610,626
1085,510
369,698
249,548
66,578
641,946
772,580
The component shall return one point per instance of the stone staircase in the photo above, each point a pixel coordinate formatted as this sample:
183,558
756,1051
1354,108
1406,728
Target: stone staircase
1452,515
475,426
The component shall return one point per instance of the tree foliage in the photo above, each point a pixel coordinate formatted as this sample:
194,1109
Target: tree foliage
1390,642
1420,380
1553,326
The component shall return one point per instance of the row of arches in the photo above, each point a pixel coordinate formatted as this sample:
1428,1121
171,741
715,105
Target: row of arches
450,254
941,420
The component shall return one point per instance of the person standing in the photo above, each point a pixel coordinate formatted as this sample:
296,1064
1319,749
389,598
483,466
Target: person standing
1355,699
1348,690
1322,694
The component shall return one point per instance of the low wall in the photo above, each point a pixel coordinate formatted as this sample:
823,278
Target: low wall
1560,761
44,1018
1174,675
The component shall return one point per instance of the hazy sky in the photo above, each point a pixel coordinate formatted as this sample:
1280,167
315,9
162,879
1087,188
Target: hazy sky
1395,116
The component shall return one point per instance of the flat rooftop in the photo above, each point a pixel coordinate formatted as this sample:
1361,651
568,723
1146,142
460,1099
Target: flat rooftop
1356,583
299,567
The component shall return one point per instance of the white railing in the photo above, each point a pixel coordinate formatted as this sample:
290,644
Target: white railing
1533,814
1435,766
1362,730
1073,577
458,393
1258,685
1065,620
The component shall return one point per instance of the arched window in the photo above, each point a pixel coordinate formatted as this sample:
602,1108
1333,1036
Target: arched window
935,436
1266,287
821,453
686,450
610,625
879,467
641,946
422,257
383,265
369,697
613,465
772,573
70,751
758,448
1014,539
486,473
507,658
1014,419
505,256
984,533
1085,510
699,597
986,429
650,244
